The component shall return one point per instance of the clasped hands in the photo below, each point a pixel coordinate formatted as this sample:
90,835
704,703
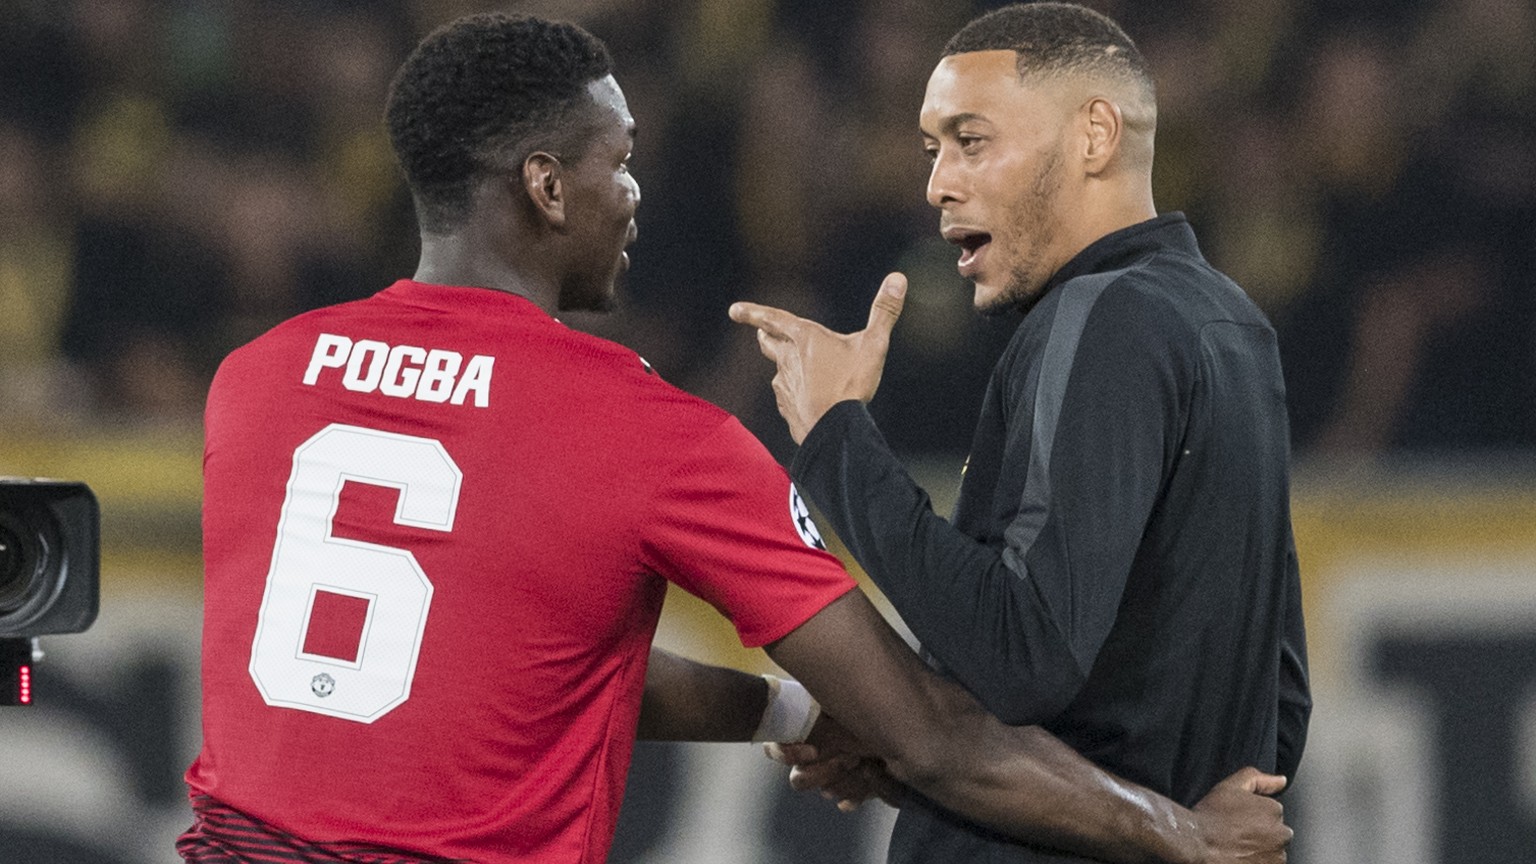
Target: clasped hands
818,368
1238,820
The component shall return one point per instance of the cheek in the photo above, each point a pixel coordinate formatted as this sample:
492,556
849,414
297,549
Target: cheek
1017,232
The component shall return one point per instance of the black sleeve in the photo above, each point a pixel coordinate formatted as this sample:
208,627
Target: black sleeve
1020,626
955,593
1295,693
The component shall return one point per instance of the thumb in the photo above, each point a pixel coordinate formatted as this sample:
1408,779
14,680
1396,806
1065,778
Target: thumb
1253,780
1268,784
887,306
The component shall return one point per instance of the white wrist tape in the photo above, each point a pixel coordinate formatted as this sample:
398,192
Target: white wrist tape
790,714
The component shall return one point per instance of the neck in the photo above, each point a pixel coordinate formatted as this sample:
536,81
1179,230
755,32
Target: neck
497,247
1117,206
462,258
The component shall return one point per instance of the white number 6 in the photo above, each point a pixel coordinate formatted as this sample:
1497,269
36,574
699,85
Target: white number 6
386,581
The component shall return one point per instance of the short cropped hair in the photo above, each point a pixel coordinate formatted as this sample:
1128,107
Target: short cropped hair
1056,38
481,93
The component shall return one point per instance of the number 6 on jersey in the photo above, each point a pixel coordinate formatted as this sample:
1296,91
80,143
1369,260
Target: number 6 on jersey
386,584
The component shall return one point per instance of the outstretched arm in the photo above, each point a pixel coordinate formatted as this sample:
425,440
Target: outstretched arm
932,735
1021,781
690,701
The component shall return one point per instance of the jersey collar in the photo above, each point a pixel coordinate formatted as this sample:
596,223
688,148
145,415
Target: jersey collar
1121,248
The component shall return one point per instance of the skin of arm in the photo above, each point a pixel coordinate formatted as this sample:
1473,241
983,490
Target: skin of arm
930,734
689,701
1021,781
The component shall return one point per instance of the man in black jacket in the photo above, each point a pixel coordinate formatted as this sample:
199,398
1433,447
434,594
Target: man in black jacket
1120,567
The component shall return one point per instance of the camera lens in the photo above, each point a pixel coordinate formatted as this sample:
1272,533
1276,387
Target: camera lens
22,552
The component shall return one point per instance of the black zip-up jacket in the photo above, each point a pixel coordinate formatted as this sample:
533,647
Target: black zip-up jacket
1120,568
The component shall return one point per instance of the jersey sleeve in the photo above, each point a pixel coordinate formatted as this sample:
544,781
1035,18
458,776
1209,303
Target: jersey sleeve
727,525
1295,707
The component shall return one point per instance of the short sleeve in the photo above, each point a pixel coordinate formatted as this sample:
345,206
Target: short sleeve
727,525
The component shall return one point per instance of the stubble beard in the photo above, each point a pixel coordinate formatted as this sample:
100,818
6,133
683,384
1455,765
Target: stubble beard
1033,215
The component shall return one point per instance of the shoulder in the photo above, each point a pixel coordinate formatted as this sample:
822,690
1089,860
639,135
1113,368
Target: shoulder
301,328
1168,295
1176,284
1138,315
614,371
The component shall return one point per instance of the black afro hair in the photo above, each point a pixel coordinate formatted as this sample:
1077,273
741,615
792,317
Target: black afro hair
479,94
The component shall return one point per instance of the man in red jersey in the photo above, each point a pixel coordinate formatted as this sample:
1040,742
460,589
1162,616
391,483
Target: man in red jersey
438,527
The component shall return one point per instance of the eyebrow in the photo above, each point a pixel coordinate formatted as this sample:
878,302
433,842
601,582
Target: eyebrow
954,122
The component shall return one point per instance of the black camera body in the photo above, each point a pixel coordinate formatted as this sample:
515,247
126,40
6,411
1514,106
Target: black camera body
50,565
50,561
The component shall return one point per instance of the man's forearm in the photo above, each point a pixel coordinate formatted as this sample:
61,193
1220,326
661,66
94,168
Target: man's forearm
690,701
1071,804
934,737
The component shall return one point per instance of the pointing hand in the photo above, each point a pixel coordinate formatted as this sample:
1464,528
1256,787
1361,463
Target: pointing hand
818,368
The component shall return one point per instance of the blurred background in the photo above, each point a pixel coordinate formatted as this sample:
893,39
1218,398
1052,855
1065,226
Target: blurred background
176,176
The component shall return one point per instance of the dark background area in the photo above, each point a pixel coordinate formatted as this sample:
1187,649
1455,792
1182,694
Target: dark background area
179,175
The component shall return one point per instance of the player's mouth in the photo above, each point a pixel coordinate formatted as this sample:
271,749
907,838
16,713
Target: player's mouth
973,245
629,240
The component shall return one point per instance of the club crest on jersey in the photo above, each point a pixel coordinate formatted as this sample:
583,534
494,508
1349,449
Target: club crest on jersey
804,525
402,371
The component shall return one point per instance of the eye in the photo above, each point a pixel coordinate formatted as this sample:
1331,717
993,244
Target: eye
968,143
932,152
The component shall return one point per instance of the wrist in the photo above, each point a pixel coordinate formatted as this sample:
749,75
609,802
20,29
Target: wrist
1163,831
789,714
1185,838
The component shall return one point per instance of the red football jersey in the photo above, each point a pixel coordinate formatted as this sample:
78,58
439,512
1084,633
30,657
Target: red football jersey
438,526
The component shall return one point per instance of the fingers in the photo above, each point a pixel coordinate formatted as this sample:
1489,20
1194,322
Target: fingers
827,773
790,754
889,301
848,786
1253,780
767,319
769,345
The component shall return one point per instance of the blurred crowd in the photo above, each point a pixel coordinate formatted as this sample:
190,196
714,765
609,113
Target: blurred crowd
178,175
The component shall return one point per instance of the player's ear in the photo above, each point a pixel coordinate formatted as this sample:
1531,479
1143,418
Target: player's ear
544,180
1102,125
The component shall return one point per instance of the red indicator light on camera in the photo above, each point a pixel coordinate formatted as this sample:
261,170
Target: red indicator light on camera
24,685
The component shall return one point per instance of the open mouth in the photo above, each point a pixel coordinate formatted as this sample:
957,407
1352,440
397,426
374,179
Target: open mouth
973,247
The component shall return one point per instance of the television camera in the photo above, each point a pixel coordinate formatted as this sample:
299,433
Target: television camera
50,560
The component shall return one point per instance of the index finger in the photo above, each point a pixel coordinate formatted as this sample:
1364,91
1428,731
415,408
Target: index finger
774,322
791,754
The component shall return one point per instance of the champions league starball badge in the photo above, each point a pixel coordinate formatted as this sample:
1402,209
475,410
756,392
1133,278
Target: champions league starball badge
804,525
323,685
